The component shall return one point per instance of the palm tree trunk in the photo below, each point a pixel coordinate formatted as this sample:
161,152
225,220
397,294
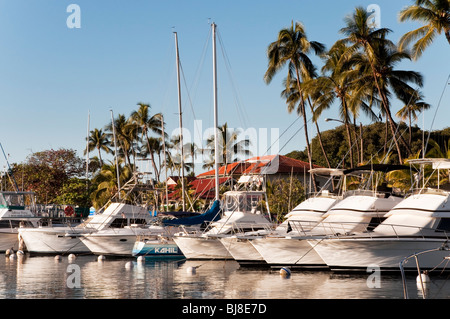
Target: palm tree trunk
392,124
358,155
447,35
305,125
319,136
152,158
100,158
410,129
347,128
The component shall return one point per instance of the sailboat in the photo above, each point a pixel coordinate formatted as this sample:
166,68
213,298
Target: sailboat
17,210
161,245
242,209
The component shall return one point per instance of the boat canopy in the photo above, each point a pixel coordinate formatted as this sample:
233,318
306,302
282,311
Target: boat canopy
377,168
211,214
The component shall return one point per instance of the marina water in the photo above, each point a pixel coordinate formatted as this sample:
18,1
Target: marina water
86,278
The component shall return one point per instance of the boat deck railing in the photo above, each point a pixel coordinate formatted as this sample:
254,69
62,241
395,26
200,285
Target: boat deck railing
350,230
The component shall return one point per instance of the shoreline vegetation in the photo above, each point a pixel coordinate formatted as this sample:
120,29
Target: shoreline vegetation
358,75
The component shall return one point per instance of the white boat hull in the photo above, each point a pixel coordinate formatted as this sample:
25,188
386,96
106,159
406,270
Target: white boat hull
242,251
202,247
284,251
384,254
120,245
53,241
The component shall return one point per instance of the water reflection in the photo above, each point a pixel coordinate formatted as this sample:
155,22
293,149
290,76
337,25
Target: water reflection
44,277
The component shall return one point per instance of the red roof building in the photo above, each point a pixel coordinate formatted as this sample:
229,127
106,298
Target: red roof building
271,166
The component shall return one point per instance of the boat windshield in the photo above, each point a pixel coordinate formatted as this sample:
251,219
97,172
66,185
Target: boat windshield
243,202
13,200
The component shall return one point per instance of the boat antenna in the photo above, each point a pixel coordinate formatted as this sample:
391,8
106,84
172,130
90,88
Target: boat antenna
216,124
9,167
181,123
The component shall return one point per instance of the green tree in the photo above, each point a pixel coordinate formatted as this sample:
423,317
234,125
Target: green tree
107,186
98,140
413,104
231,146
284,195
75,191
435,15
292,48
46,172
381,56
144,123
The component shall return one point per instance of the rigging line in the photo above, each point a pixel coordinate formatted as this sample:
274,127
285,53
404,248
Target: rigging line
437,108
200,65
171,80
270,147
241,111
190,104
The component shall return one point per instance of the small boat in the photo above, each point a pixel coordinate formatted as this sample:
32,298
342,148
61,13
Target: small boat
301,219
157,241
17,210
241,213
117,218
420,222
156,247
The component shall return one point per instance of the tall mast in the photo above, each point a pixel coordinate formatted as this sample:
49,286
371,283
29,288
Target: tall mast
181,121
216,122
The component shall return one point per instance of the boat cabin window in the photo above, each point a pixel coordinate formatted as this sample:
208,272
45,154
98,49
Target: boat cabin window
11,223
138,221
242,202
444,225
119,223
122,222
374,222
12,200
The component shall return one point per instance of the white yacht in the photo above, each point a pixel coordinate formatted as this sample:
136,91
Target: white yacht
420,222
358,211
158,242
17,210
118,218
241,212
301,219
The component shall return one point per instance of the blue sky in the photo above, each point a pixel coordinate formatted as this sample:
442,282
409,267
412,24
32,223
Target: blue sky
52,76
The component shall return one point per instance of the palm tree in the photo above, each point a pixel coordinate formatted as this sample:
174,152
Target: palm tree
125,136
339,81
145,123
292,48
98,140
292,96
106,180
435,15
380,55
413,105
230,145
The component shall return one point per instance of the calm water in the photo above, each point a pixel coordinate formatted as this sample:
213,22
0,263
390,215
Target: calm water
86,278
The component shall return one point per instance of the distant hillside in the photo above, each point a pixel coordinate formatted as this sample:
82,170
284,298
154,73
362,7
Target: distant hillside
336,145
